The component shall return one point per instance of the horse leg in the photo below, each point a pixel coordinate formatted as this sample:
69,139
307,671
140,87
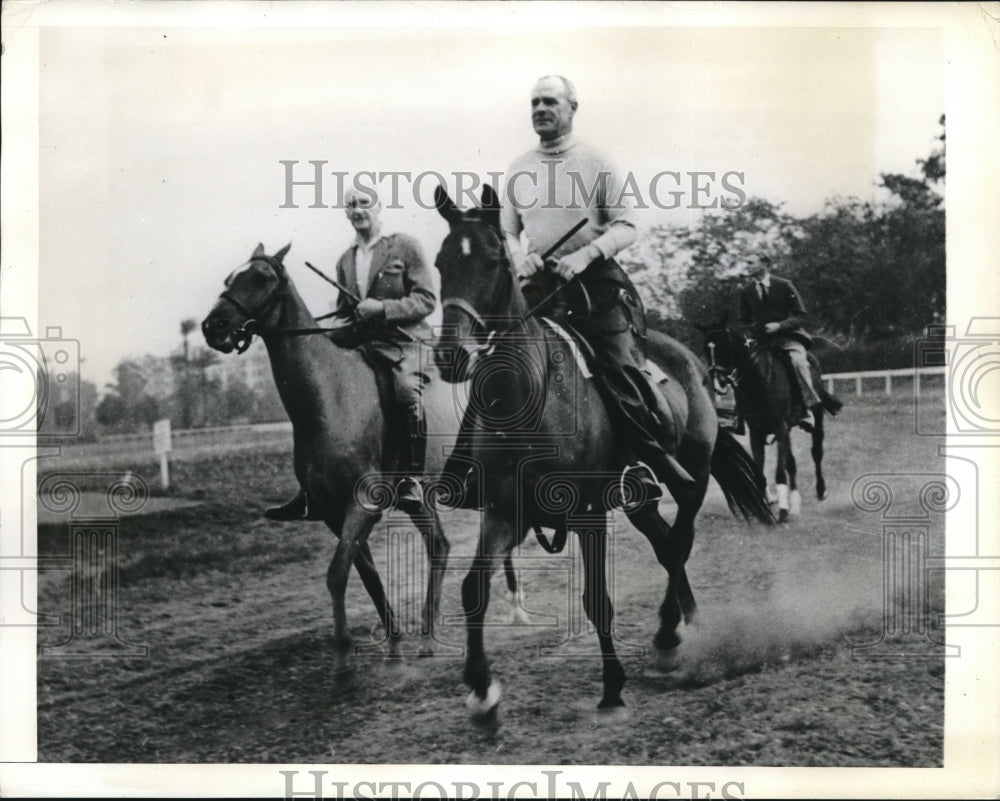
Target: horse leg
364,563
597,604
672,547
757,440
515,594
496,540
437,546
817,454
781,471
357,525
794,498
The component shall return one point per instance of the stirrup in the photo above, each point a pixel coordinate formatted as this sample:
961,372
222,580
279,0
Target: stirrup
409,495
648,486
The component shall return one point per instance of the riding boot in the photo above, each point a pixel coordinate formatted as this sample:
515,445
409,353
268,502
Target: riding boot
409,494
298,508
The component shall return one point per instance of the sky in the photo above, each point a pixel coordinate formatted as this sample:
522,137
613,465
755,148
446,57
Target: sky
161,147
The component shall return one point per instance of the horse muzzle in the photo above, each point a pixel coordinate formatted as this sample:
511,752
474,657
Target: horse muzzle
224,333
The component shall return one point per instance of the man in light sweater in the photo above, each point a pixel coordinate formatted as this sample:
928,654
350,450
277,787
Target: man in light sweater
548,190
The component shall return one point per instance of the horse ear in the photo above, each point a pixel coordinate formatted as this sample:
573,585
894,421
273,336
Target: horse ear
445,206
258,251
489,198
490,206
281,253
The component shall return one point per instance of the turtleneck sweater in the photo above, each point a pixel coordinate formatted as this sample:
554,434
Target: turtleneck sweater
549,188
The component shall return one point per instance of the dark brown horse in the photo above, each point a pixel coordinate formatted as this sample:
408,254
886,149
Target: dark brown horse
546,451
331,397
768,400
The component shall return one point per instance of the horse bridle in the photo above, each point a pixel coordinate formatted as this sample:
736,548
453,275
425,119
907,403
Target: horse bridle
243,336
478,328
732,377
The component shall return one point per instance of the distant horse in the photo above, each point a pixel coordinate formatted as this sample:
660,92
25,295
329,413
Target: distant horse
331,396
547,452
770,403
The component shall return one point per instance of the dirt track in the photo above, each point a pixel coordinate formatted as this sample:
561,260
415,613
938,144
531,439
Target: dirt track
236,618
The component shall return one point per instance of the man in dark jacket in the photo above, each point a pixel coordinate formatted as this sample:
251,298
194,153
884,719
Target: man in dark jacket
771,305
390,275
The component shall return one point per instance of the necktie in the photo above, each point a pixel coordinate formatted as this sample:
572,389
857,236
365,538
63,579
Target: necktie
763,293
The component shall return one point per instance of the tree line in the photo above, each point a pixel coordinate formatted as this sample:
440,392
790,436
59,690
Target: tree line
191,388
871,274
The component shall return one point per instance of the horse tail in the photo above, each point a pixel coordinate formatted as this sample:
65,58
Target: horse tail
741,480
830,402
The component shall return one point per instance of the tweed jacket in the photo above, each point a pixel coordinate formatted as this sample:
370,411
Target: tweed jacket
783,305
400,278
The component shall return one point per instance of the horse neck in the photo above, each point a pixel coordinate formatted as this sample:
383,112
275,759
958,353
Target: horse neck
757,367
511,347
309,370
511,309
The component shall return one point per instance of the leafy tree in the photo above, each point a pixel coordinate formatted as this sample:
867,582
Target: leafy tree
240,400
690,275
877,270
128,406
111,412
866,270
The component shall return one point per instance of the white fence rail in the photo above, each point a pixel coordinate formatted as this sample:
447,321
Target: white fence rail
887,375
830,379
201,433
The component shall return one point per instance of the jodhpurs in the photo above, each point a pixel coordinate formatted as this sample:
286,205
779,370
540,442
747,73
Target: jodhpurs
800,364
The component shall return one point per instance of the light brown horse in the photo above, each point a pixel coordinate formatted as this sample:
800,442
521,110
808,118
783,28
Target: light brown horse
332,400
546,450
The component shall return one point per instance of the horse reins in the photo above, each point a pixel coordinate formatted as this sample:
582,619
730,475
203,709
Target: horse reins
463,305
246,332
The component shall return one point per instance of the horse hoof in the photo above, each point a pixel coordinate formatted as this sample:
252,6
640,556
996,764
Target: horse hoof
483,708
795,503
667,661
518,617
782,515
666,640
820,495
345,682
425,651
613,712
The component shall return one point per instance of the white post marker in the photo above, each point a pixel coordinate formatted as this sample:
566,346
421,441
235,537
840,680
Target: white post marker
161,447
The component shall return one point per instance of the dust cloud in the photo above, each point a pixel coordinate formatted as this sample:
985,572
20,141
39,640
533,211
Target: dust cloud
809,607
